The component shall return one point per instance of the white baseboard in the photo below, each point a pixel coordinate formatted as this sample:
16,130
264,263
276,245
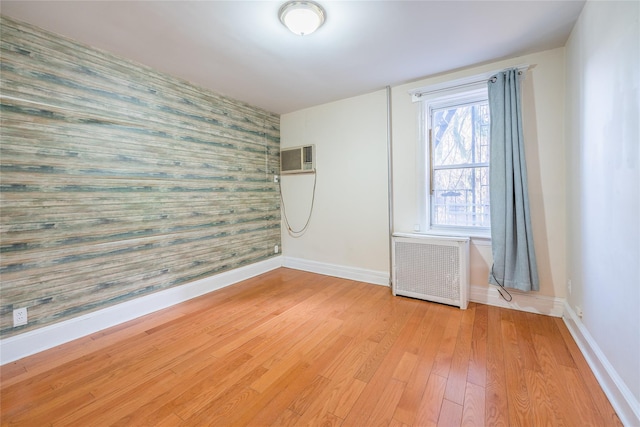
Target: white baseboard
623,401
532,303
28,343
344,272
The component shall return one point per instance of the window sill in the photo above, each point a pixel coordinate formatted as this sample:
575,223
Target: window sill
479,238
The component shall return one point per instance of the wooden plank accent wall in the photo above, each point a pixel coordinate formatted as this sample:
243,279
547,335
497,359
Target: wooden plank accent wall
118,180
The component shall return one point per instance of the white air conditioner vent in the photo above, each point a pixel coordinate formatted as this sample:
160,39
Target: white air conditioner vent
431,268
298,160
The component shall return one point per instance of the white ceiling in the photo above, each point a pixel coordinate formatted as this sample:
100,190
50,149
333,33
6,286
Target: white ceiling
241,50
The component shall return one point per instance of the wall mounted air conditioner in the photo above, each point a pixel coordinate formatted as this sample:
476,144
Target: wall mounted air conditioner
431,268
298,160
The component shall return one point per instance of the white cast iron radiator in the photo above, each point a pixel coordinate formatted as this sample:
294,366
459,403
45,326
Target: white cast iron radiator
431,268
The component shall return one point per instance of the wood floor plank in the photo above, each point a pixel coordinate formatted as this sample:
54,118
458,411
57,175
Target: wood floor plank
517,393
282,360
323,403
275,325
171,420
303,400
396,423
43,395
386,404
10,371
405,367
563,409
424,324
457,378
207,385
450,414
287,418
164,366
282,393
351,394
587,412
496,407
112,409
542,408
442,363
547,327
371,365
267,407
525,343
296,348
162,406
227,411
59,355
431,403
335,401
473,407
477,373
407,408
599,398
385,362
347,363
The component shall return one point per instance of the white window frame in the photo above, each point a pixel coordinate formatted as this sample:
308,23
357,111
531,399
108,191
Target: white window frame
458,92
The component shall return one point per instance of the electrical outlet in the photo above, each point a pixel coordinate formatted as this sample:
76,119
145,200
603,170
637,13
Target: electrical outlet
19,316
569,286
579,311
276,178
276,249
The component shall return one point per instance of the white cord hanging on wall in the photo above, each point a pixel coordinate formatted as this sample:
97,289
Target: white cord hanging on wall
300,232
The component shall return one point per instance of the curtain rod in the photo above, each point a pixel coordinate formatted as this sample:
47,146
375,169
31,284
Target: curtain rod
417,94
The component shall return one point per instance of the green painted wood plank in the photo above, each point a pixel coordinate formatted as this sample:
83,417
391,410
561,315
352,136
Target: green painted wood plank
118,180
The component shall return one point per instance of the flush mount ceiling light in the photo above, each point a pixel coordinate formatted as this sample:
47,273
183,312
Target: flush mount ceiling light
302,17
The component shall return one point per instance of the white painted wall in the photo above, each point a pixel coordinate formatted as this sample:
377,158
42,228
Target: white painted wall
349,224
603,181
543,109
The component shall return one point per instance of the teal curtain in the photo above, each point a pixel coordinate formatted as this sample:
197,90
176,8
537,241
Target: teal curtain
514,259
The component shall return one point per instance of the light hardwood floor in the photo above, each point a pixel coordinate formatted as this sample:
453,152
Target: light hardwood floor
295,348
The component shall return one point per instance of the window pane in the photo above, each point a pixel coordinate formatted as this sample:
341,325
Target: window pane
461,197
461,135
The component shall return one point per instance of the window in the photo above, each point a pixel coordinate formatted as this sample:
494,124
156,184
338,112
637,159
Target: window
457,161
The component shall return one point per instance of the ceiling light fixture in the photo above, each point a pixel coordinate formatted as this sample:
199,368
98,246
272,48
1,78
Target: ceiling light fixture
302,17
